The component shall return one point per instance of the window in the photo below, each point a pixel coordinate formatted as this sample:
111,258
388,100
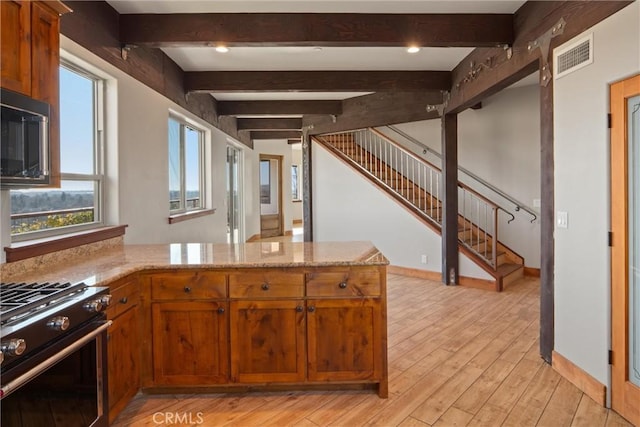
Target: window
186,167
77,204
295,183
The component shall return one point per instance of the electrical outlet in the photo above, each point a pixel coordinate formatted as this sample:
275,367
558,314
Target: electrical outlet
424,259
537,203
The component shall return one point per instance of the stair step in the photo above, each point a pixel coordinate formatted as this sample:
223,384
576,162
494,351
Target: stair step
510,273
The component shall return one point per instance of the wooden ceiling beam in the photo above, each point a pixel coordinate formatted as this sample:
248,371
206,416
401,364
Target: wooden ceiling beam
316,29
277,134
320,81
269,124
248,108
377,109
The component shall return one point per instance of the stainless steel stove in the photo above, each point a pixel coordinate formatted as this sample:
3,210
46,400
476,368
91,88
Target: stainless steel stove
52,348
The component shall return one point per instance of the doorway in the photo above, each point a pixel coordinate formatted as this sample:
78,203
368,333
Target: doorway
271,217
234,199
625,249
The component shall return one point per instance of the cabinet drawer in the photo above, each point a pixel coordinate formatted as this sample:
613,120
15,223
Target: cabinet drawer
266,284
184,285
122,298
345,283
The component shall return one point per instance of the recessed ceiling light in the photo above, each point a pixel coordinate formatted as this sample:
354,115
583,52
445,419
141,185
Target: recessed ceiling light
413,49
317,49
222,49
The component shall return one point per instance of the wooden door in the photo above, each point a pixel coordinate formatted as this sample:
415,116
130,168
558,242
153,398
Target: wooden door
15,45
267,341
123,361
271,216
190,343
352,351
625,251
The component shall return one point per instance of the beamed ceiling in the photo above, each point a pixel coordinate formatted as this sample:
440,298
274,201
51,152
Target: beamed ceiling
292,62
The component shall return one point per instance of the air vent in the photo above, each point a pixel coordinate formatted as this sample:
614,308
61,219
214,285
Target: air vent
572,57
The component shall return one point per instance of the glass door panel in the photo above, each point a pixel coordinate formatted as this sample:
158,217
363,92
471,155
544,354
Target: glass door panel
633,109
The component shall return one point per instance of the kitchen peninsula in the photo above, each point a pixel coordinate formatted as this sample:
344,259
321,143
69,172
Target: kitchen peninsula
217,317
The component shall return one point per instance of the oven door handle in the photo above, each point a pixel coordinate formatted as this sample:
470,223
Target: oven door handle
12,386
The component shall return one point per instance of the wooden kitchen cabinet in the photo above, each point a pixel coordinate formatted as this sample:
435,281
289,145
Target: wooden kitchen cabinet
351,351
221,328
15,46
267,341
190,328
123,354
190,343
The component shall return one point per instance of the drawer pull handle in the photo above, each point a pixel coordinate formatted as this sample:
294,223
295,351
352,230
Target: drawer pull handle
265,286
299,309
124,300
220,310
312,309
187,289
342,285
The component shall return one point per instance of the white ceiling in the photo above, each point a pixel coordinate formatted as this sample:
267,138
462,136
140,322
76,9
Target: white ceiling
321,58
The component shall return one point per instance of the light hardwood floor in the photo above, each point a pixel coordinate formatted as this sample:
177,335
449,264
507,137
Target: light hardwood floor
457,356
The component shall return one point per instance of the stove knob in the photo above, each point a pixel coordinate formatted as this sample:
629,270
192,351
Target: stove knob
59,323
13,347
93,306
105,300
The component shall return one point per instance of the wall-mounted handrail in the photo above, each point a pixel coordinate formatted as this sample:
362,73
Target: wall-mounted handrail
518,205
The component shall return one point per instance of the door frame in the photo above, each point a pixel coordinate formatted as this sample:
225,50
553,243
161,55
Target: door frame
280,160
624,394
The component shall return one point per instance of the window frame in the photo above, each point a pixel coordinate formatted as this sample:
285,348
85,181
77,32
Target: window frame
183,209
99,107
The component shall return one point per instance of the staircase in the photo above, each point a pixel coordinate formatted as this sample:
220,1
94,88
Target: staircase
417,185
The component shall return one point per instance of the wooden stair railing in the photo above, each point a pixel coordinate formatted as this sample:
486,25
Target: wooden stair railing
416,184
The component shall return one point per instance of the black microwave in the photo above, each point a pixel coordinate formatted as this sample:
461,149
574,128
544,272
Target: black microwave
24,141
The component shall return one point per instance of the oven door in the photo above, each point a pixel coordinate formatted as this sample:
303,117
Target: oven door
64,384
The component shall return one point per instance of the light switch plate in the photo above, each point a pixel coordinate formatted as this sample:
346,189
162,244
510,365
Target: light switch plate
537,203
562,220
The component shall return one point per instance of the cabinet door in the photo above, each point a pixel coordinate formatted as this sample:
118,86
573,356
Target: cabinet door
15,45
344,340
123,361
45,76
267,341
190,343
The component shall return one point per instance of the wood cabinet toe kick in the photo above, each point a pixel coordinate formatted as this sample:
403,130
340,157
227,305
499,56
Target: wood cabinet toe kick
264,329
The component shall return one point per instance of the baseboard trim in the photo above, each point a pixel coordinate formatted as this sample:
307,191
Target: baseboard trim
436,276
531,272
288,233
297,221
254,238
578,377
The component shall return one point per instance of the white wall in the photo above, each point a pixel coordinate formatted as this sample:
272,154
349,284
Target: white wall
139,187
501,144
346,206
582,265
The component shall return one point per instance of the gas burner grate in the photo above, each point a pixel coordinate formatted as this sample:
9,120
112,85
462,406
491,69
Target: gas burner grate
19,299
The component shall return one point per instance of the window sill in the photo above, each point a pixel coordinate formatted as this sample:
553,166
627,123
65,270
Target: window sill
32,248
190,215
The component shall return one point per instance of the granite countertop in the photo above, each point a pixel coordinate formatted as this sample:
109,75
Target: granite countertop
113,263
